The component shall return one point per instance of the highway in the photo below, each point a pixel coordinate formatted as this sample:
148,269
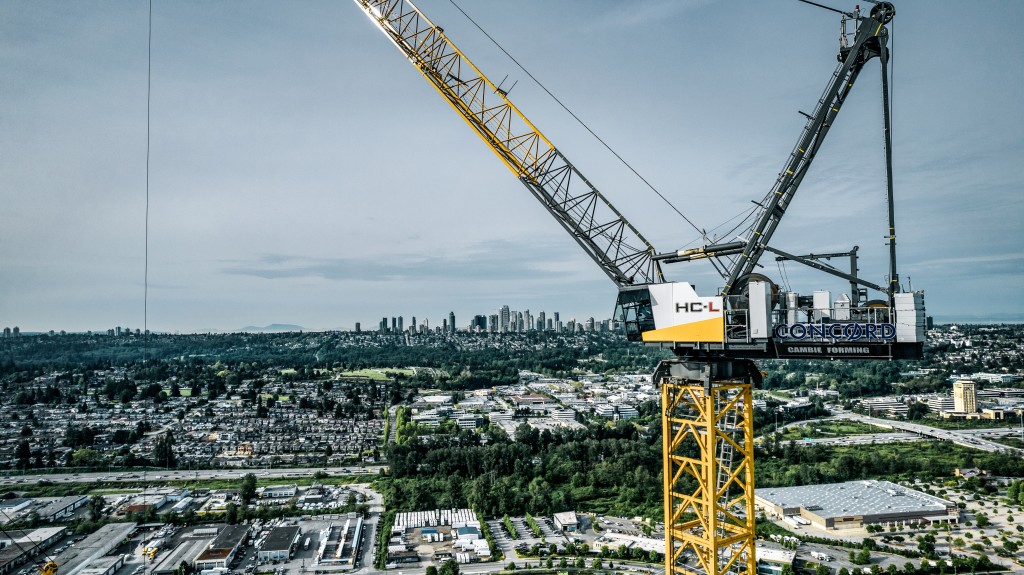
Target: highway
905,431
973,438
188,475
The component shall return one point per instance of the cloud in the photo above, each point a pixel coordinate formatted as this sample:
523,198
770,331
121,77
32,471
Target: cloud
493,260
1007,262
636,15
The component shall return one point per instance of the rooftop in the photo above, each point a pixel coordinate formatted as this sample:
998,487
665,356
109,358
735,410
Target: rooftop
853,498
280,538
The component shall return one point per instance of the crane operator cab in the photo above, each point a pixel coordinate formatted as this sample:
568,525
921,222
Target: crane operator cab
763,322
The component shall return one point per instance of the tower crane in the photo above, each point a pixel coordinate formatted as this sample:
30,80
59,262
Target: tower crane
706,390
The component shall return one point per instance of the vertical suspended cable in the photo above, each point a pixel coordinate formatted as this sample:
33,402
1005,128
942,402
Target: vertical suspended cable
892,68
145,279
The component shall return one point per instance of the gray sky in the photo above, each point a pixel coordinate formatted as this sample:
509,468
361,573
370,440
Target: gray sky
303,172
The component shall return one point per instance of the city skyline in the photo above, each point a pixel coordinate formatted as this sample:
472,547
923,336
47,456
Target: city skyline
395,324
301,172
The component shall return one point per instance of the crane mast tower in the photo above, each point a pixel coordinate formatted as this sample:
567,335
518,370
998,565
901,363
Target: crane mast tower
706,390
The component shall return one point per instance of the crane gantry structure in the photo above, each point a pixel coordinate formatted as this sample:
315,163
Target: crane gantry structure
706,391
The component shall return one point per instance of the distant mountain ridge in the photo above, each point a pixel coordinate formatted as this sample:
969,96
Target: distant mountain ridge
980,319
274,327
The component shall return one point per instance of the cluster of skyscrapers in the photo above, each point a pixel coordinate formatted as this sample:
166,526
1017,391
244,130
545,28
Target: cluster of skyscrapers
398,325
505,321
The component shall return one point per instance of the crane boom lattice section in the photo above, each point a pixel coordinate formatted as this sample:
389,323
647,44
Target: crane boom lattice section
869,42
617,247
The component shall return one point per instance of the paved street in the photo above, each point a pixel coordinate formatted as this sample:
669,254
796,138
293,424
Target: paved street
184,475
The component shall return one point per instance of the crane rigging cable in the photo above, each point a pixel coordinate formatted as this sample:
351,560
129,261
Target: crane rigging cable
580,121
145,280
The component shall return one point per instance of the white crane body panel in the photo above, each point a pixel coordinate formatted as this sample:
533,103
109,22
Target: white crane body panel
760,324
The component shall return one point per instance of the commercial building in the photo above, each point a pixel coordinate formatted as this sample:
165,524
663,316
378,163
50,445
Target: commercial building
188,549
277,491
567,521
853,504
223,549
17,547
940,404
772,561
965,399
88,555
62,508
10,509
279,544
887,405
340,546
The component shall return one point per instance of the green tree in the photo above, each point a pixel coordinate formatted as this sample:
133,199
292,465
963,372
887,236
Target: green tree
248,490
449,567
231,514
431,570
863,557
95,505
163,451
24,454
85,457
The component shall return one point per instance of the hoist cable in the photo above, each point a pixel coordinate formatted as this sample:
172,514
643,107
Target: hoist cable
145,280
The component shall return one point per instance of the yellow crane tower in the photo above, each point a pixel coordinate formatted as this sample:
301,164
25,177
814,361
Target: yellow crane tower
706,391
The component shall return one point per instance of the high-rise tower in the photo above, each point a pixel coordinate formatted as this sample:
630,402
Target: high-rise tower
504,314
964,397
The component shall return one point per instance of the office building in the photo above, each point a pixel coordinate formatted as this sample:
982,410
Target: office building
505,316
965,397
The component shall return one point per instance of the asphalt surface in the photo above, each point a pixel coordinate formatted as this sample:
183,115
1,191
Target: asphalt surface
904,431
184,475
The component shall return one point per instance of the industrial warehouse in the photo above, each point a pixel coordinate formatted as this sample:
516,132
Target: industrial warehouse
853,504
340,545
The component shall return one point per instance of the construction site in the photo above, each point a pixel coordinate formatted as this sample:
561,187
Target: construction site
847,302
706,391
